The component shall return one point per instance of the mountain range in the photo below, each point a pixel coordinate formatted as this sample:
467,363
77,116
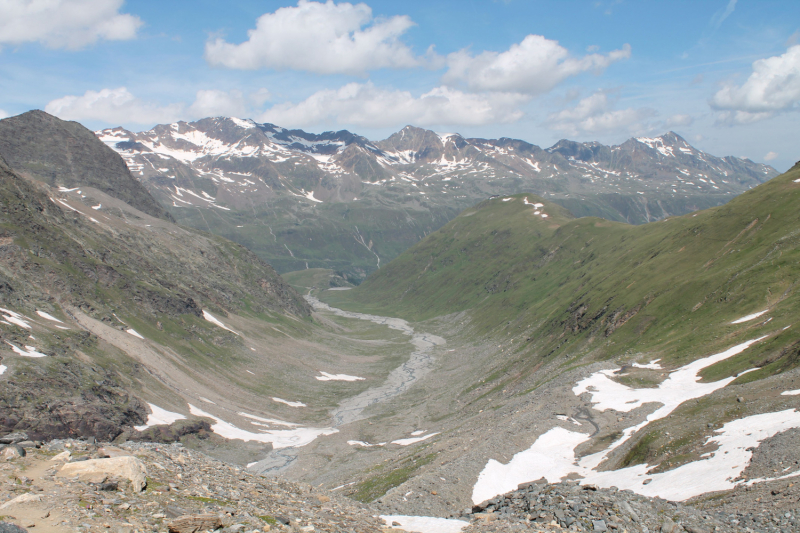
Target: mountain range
340,201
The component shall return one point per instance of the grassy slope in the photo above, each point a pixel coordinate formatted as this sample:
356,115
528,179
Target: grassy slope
564,287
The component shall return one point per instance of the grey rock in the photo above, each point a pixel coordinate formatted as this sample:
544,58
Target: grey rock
599,525
5,527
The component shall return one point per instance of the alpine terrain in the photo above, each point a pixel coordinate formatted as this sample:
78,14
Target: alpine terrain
342,202
521,366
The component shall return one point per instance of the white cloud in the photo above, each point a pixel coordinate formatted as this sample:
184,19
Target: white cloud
324,38
65,23
720,16
679,120
3,114
594,115
534,66
770,156
214,103
772,88
373,107
114,106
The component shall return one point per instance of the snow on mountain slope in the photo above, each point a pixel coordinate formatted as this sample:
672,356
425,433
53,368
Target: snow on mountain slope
271,177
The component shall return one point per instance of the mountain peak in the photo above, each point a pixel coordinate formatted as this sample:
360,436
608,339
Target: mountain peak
62,153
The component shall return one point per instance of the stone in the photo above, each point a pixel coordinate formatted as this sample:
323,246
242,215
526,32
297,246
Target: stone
128,467
5,527
13,452
194,523
112,451
670,527
61,457
599,525
28,497
694,529
14,438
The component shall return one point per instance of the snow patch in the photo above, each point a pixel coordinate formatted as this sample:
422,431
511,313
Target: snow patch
3,368
791,393
651,365
15,318
414,440
133,332
287,402
214,320
29,351
282,438
158,417
425,524
749,317
337,377
48,316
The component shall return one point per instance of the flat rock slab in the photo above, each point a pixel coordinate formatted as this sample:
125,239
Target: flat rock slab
128,467
28,497
194,523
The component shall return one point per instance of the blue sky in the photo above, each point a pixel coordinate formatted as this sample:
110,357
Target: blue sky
725,74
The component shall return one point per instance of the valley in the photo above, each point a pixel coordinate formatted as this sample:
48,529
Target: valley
589,369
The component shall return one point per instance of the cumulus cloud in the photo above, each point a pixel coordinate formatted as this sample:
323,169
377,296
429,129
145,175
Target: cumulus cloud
324,38
214,103
534,66
114,106
773,87
3,114
363,104
594,115
68,24
679,120
770,156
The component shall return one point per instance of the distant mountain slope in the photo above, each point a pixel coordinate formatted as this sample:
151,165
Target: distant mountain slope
340,201
62,153
571,284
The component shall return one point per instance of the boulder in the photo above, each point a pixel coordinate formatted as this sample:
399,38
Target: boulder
128,467
194,523
28,497
5,527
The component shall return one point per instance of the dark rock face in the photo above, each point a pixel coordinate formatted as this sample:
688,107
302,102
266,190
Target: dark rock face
67,154
66,398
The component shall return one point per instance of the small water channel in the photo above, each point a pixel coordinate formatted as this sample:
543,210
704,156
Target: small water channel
351,409
399,380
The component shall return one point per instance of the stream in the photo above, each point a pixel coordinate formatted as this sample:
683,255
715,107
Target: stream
351,409
399,380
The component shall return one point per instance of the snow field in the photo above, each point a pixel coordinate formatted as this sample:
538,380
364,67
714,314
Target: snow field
284,438
29,351
214,320
552,455
48,316
287,402
159,416
425,524
337,377
133,332
749,317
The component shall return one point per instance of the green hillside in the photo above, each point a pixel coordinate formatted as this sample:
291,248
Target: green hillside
565,287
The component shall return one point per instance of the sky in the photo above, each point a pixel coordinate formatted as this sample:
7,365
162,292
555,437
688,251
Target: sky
724,74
